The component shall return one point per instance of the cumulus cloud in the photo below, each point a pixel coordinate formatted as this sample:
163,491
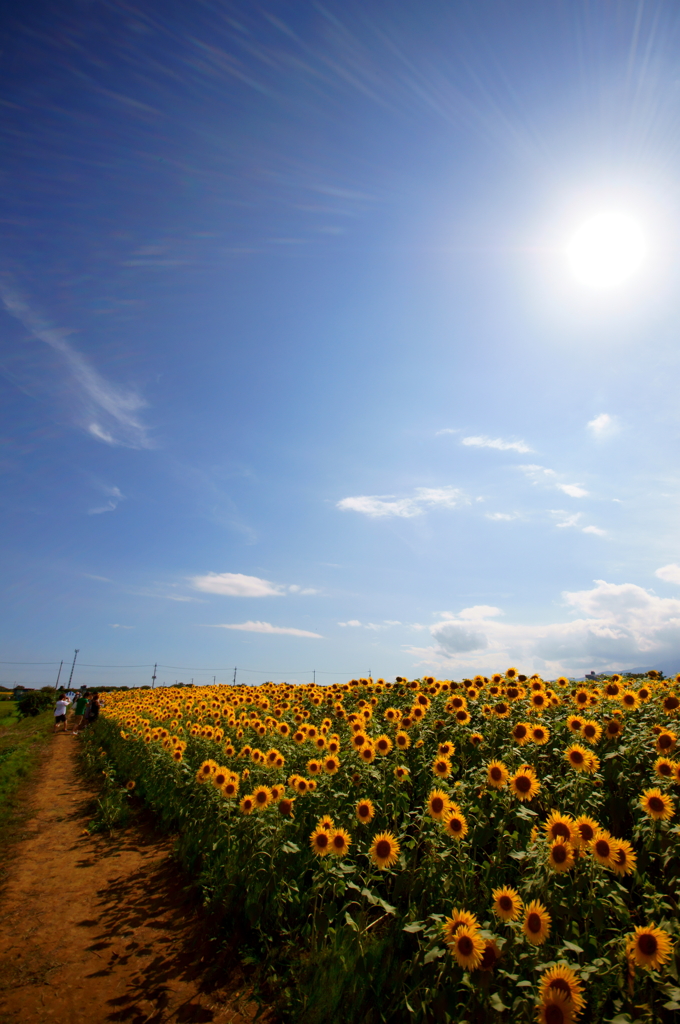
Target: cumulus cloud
351,622
603,425
596,530
613,626
498,443
566,521
669,573
549,478
106,411
383,506
235,584
266,627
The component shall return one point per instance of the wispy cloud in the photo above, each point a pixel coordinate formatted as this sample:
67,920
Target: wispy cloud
351,622
91,576
266,627
496,442
106,411
119,625
603,426
114,496
549,478
383,506
567,520
447,430
235,584
498,515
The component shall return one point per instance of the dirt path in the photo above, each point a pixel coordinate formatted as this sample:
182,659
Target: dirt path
94,930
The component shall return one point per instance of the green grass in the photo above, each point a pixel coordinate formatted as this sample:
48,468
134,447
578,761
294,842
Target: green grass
21,746
8,713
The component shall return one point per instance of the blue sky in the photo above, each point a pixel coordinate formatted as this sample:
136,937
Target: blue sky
294,372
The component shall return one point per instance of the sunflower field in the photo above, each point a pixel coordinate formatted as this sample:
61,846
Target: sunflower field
496,849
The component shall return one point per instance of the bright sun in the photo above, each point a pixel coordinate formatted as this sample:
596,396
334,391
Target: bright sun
606,250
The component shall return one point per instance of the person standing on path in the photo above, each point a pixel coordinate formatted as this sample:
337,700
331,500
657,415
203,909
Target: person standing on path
79,709
60,711
92,710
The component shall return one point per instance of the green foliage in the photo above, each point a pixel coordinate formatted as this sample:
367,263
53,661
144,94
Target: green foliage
21,746
340,937
34,703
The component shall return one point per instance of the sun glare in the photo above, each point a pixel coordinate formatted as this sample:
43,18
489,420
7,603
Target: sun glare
607,250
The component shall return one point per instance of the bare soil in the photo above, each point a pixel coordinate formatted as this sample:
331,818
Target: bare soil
95,929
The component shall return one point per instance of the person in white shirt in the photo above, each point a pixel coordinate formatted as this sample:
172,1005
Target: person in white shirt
60,711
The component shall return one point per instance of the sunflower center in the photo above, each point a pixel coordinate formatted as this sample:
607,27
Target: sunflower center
577,756
665,741
559,853
561,985
383,849
534,923
465,945
456,825
520,732
554,1014
647,944
339,842
560,829
523,783
671,703
496,774
437,805
505,903
322,840
665,769
603,847
656,804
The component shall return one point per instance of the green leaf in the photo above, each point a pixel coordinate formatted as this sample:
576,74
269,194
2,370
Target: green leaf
572,946
434,954
523,984
497,1002
350,921
415,926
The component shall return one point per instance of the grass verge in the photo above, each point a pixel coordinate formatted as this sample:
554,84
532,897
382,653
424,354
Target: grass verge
22,742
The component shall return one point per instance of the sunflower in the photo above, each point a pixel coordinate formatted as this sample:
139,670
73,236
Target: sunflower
561,826
401,773
561,855
438,803
340,842
625,858
602,847
671,703
613,729
665,741
383,745
230,788
575,723
576,756
384,850
467,947
365,811
657,805
247,805
649,947
592,763
206,770
458,919
497,774
320,842
455,824
555,1009
262,797
441,767
462,717
507,903
587,828
490,956
446,749
536,923
591,731
524,783
539,701
286,806
501,709
367,753
563,981
665,768
326,823
402,740
476,739
540,735
520,733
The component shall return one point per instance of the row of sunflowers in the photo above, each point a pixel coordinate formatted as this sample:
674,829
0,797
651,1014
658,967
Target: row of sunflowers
500,848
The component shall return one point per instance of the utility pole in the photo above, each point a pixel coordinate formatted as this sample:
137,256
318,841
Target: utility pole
213,680
59,674
72,667
153,677
234,675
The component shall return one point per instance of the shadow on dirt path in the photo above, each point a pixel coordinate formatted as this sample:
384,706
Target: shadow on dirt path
98,930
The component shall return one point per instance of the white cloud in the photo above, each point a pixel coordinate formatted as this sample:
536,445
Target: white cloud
117,625
548,478
567,520
352,622
669,573
497,442
615,626
596,530
573,490
603,425
295,589
105,410
498,515
114,496
266,627
447,430
235,584
382,506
